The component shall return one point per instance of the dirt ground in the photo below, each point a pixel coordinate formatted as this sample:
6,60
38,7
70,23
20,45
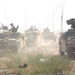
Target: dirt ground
47,48
43,46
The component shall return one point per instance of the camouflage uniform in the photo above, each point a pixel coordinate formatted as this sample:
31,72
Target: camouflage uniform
12,27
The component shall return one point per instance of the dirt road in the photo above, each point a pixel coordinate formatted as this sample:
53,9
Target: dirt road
51,48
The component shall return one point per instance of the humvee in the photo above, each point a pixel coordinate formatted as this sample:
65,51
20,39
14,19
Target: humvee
47,35
9,43
67,40
32,37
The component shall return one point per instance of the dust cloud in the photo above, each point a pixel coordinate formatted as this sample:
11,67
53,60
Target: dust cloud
46,47
43,46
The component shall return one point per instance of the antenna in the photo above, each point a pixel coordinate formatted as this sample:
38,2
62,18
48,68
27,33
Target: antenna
53,16
62,12
49,20
6,16
25,19
39,23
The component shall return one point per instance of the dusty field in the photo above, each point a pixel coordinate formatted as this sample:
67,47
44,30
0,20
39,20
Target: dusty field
51,48
48,48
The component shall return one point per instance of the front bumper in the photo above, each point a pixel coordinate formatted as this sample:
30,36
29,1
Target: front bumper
8,46
71,43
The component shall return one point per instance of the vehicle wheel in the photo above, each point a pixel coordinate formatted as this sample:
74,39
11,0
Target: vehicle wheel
61,52
70,52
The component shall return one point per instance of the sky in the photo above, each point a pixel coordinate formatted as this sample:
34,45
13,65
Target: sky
26,13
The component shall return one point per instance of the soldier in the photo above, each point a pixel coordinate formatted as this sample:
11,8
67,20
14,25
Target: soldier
12,27
46,30
35,28
31,28
23,38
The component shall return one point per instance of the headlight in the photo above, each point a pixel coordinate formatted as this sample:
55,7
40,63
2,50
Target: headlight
69,42
69,38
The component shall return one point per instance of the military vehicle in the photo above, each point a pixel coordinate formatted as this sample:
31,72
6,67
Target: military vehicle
31,36
9,43
10,39
67,40
47,35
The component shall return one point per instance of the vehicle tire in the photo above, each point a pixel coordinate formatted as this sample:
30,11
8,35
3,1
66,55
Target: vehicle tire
70,52
61,52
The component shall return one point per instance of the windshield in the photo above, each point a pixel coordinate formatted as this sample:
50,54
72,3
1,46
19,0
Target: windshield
7,35
3,36
14,36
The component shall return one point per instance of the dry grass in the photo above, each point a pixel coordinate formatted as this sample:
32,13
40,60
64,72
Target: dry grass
32,55
50,66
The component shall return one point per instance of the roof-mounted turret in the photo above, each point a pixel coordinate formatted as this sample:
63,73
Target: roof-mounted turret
71,22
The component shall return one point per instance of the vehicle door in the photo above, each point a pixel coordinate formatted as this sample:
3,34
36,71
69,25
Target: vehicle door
63,42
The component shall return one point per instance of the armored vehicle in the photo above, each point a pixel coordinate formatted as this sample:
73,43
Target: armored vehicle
47,35
67,40
9,43
31,36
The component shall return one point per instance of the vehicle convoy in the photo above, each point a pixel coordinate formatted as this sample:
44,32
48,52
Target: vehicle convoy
67,40
47,35
31,36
